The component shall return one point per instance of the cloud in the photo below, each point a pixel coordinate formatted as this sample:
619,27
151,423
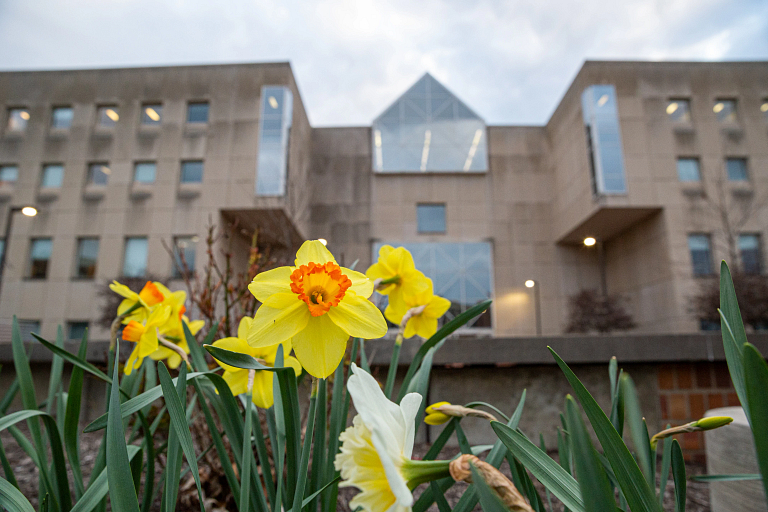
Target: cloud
510,61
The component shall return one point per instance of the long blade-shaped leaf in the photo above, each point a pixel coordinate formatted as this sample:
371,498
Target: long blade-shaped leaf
756,380
637,427
245,479
72,420
11,498
99,487
54,379
71,358
678,475
305,451
489,500
734,335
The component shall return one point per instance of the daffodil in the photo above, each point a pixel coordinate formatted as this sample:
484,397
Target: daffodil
316,304
376,450
150,295
441,412
419,312
398,275
237,378
145,337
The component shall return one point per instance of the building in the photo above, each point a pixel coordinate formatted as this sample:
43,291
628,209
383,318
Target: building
637,155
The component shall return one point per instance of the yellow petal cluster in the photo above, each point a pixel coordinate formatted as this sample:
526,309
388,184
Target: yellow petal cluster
237,378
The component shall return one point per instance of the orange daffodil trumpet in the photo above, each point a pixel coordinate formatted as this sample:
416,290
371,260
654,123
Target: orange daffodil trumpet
145,337
317,305
237,378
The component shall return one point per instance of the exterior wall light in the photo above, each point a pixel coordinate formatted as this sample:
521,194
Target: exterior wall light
590,241
29,211
530,283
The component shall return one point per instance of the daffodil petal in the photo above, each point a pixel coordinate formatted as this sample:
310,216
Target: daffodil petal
272,326
270,282
292,362
123,291
237,381
399,260
130,364
244,327
409,406
263,395
148,343
395,310
358,317
361,285
320,346
313,251
437,306
233,345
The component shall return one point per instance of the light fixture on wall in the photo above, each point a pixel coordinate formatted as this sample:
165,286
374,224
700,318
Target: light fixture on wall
28,211
530,283
590,241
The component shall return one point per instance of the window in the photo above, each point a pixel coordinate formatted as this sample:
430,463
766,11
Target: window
274,138
184,248
76,330
708,325
197,112
725,111
98,174
688,169
461,272
39,256
737,169
428,129
679,110
430,218
144,172
87,254
107,115
135,259
151,114
17,119
8,174
701,254
53,176
601,120
751,255
2,250
27,327
61,117
191,172
764,108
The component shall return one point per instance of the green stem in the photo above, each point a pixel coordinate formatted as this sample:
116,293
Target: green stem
301,483
390,280
392,373
245,465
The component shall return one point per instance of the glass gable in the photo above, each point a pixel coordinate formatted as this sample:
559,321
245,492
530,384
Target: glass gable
601,119
428,129
274,139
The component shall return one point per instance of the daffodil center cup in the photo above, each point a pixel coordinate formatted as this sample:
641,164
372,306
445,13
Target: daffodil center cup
320,286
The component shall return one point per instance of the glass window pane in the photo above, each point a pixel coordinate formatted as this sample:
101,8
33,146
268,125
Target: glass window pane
76,330
144,172
135,260
184,248
764,109
39,256
688,169
679,110
151,114
53,176
430,218
751,255
9,173
108,115
27,327
601,120
2,250
737,169
18,119
87,254
725,111
98,174
192,172
274,140
61,117
197,112
701,254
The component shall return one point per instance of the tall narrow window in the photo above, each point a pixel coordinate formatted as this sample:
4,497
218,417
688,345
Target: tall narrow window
191,171
764,109
151,114
701,254
108,115
144,172
53,176
76,330
8,174
601,119
61,117
679,110
197,112
135,259
725,110
751,255
39,257
17,119
737,169
688,169
430,218
274,140
184,248
98,174
87,254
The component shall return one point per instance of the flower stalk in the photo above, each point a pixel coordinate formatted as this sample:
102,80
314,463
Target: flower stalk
506,490
169,344
709,423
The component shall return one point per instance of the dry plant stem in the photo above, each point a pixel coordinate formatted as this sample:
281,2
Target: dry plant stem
174,347
410,314
460,471
459,411
251,376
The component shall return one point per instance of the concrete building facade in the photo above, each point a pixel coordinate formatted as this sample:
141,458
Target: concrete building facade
664,164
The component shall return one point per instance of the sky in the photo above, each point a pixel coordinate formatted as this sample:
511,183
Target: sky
510,61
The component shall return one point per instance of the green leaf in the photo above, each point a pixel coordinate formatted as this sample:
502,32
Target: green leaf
637,428
261,451
442,503
195,350
121,492
666,461
245,477
439,443
71,358
289,419
756,381
11,498
734,335
13,389
54,378
72,420
320,448
99,487
462,439
305,451
726,478
592,479
420,383
337,424
441,334
7,467
489,500
236,359
392,371
546,470
639,495
678,475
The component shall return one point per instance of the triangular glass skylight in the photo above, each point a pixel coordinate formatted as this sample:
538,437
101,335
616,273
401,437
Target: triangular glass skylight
428,129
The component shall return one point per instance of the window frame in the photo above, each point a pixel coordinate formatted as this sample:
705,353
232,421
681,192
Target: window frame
55,108
31,270
78,257
89,174
176,270
138,163
72,323
9,115
747,174
710,266
759,250
734,113
9,166
420,206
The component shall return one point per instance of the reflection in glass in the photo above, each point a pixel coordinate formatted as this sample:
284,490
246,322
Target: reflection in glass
737,169
53,176
184,248
17,119
39,256
192,171
688,169
144,172
725,111
701,254
751,255
460,272
108,115
151,114
601,120
429,129
8,174
679,110
61,117
135,259
274,139
87,254
98,174
430,218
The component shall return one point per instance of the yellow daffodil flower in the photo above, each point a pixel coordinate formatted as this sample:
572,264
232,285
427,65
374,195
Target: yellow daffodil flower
399,277
174,330
420,312
237,378
376,450
149,296
318,305
145,337
434,416
441,412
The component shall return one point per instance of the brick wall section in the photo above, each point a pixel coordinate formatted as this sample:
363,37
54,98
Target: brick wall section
686,391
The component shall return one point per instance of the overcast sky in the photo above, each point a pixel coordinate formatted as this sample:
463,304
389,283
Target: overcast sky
510,61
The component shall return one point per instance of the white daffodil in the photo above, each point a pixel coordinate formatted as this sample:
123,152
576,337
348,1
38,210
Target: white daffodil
376,450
